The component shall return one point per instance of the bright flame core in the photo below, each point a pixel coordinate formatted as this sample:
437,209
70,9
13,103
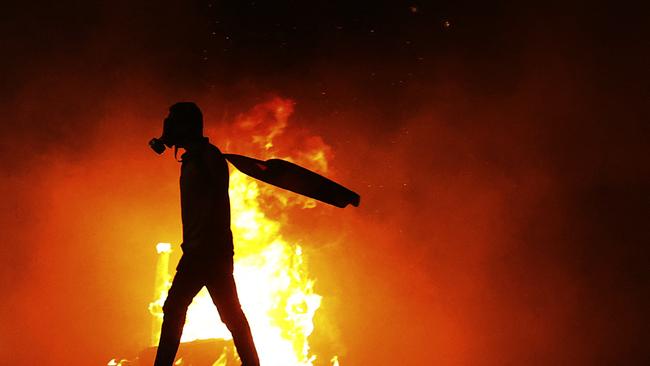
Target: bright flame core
274,288
163,248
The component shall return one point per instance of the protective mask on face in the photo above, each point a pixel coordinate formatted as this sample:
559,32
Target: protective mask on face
157,145
169,138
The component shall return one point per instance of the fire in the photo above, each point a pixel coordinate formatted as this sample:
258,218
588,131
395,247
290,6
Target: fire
274,286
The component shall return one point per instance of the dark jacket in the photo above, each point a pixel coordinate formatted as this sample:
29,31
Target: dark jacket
205,206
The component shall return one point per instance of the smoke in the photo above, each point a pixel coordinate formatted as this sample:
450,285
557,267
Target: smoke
501,216
504,191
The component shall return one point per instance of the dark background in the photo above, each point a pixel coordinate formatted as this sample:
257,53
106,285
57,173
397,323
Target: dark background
500,149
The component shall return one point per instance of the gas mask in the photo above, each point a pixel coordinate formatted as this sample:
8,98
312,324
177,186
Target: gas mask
171,136
184,124
157,145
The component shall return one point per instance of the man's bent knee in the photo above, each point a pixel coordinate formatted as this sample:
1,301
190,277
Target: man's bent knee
232,316
174,306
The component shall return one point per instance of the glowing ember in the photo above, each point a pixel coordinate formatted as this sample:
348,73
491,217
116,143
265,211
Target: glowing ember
275,290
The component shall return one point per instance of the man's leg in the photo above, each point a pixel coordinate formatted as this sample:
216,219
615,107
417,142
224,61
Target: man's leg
224,295
184,287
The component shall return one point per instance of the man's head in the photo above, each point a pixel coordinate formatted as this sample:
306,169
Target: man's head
183,125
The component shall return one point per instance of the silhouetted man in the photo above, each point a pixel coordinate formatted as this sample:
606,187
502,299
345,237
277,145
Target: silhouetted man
207,240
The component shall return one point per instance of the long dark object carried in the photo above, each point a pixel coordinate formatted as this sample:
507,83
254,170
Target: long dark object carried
295,178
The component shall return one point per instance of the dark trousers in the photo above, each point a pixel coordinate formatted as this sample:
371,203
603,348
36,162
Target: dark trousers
221,286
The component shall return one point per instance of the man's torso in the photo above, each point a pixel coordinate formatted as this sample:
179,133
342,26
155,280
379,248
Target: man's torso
205,205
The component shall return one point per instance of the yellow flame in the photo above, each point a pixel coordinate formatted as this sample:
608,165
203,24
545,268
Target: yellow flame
335,361
163,248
